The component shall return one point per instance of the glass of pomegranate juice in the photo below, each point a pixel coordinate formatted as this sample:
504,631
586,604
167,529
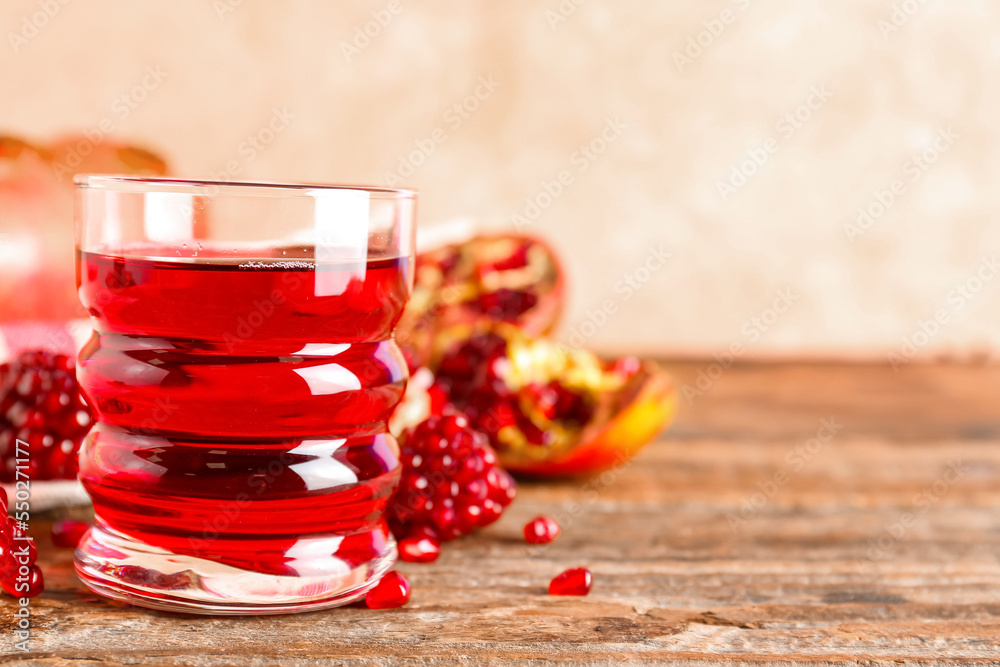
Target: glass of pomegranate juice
242,368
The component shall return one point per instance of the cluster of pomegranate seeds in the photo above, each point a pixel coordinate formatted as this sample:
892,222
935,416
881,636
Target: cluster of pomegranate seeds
473,376
19,575
392,590
541,530
505,305
516,259
575,581
470,271
40,404
67,533
451,484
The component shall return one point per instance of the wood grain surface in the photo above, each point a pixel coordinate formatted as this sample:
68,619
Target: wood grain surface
796,514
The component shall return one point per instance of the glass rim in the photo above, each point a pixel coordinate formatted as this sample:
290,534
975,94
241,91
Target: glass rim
134,184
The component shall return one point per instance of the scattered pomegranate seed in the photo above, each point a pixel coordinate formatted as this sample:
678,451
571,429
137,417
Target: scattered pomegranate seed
392,591
68,533
575,581
418,549
541,530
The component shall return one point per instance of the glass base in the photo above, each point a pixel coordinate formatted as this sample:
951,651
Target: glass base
124,569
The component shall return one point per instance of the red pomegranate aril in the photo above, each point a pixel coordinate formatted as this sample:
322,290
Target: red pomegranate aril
506,304
575,581
67,533
517,259
571,406
419,549
545,399
476,489
626,367
392,591
541,530
444,519
438,398
491,512
36,584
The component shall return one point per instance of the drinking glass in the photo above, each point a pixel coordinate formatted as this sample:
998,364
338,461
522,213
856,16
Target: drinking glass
242,369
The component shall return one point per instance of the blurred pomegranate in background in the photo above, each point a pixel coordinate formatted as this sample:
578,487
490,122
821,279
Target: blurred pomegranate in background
510,278
37,274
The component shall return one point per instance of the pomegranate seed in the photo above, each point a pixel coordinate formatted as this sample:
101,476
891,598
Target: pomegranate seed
36,584
68,533
541,530
627,366
419,549
575,581
438,399
392,591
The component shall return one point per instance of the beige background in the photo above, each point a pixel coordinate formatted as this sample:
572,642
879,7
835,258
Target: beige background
559,79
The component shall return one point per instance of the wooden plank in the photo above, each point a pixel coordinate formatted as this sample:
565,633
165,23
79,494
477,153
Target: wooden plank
913,402
876,546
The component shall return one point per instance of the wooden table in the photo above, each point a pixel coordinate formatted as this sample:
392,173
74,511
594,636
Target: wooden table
795,514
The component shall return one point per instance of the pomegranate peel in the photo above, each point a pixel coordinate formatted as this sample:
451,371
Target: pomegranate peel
553,410
601,446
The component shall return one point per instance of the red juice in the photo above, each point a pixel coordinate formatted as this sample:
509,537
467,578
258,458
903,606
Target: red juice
242,407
